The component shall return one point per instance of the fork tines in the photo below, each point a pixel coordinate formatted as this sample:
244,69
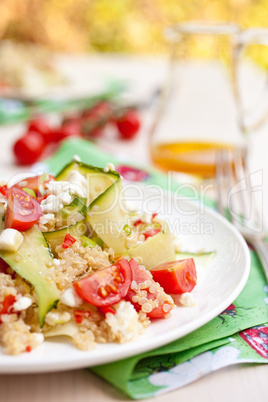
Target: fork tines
235,194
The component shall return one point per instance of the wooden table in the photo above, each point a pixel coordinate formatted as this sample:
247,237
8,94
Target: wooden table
235,383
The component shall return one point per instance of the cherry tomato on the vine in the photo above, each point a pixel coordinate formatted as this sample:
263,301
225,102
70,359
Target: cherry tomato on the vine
40,125
95,119
67,130
29,148
128,124
98,111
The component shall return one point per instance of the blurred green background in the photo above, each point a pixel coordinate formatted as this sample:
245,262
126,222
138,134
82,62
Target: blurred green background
126,26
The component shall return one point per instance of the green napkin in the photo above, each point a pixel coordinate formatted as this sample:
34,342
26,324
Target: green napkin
239,334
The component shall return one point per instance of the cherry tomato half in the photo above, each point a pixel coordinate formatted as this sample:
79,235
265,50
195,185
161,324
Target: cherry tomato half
176,277
29,148
107,286
153,292
22,211
33,183
128,124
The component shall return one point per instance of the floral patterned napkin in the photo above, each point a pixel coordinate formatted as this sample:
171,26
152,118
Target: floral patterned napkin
238,335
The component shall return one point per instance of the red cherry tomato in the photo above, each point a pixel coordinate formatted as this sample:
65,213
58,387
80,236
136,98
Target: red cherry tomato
128,124
107,286
153,292
39,125
22,211
72,129
34,182
29,148
176,277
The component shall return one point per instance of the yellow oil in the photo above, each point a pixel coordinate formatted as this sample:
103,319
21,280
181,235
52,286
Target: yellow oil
198,158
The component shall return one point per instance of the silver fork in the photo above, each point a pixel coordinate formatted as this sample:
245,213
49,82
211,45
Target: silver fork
236,200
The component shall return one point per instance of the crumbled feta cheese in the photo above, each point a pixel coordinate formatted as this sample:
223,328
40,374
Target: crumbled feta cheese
22,303
66,198
39,338
109,166
56,187
54,318
76,158
56,261
45,218
51,204
77,178
76,185
125,322
54,203
187,299
10,240
70,298
79,183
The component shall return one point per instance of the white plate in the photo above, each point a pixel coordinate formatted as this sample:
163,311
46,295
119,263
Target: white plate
220,284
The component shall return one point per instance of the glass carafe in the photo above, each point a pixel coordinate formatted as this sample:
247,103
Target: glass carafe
200,108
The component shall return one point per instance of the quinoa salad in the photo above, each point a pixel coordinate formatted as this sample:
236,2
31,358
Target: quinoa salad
76,262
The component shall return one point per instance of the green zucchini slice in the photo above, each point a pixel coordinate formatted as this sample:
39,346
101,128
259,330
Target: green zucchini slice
155,250
98,180
108,217
202,259
56,237
33,262
106,213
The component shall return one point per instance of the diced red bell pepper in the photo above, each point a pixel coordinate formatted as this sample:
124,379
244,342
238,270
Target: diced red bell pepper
68,241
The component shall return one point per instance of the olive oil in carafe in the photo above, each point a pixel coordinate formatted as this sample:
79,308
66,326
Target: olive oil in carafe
197,158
